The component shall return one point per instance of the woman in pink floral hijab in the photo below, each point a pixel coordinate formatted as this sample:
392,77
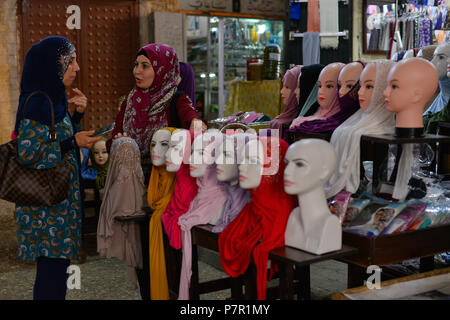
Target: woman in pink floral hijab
147,107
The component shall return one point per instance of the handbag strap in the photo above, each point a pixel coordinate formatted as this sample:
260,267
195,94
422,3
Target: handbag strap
52,134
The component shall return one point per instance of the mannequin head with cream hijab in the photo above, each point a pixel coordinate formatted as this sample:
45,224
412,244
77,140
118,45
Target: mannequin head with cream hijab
372,118
311,226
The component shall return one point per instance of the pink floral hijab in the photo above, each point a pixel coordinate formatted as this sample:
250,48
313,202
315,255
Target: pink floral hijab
147,110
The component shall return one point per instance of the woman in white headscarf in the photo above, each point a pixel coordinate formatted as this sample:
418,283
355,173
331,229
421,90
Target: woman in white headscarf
375,119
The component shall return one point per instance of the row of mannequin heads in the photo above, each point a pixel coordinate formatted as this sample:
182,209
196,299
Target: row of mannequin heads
243,159
411,84
309,164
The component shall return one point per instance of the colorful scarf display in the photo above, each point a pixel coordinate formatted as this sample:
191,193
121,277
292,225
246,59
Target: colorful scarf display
264,218
348,105
159,193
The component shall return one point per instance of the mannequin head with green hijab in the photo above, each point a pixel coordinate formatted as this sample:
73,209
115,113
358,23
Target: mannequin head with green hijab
100,161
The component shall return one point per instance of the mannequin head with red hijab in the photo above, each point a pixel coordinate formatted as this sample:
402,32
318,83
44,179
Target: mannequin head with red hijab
265,217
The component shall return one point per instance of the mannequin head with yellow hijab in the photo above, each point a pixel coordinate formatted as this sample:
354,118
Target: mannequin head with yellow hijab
159,193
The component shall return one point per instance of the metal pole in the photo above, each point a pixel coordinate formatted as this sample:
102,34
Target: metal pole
221,70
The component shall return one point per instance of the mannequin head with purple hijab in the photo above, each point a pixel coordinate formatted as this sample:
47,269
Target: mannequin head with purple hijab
187,84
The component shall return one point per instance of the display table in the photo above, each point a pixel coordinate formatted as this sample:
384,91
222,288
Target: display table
287,258
394,248
259,96
375,147
403,284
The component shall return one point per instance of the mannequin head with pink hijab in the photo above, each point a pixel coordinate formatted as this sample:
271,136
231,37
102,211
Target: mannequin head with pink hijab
327,95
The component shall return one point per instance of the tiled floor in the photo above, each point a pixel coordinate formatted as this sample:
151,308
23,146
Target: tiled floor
105,279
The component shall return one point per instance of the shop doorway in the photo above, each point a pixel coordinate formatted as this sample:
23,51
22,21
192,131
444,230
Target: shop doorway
107,40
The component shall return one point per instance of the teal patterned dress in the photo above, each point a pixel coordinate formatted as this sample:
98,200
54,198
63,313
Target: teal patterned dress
53,232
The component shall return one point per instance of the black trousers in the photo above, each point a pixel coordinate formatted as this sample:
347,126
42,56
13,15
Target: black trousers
51,279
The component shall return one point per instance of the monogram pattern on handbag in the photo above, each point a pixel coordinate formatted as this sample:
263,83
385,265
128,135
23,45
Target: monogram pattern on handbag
22,182
29,186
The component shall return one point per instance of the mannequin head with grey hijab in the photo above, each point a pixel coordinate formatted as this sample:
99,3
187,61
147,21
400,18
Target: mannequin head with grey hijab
311,226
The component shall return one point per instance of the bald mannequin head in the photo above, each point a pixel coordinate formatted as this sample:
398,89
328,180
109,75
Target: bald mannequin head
348,77
327,83
411,83
309,165
440,59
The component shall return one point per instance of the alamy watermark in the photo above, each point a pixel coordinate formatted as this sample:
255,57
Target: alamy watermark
374,281
74,20
74,279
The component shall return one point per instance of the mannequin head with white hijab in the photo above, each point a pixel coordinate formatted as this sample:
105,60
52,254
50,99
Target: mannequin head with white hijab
311,227
372,118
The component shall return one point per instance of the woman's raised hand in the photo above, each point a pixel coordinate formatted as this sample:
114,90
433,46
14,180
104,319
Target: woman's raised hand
84,139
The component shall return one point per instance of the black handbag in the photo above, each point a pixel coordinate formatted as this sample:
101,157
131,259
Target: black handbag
28,186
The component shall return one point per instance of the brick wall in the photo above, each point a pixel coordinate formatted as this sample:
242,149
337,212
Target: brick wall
9,73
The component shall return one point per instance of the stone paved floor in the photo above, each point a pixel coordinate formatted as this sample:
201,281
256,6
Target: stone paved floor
105,279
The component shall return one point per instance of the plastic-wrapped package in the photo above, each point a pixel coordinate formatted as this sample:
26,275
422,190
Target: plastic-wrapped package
439,214
422,221
380,220
405,218
355,207
338,206
364,216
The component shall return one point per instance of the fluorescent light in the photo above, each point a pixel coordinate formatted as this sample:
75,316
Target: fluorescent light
261,28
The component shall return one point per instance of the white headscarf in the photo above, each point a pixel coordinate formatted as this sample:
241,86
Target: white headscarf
346,138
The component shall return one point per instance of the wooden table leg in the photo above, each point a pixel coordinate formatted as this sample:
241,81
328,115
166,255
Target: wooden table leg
250,282
236,288
194,285
286,280
302,274
355,276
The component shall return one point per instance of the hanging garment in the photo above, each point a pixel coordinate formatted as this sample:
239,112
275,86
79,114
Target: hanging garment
311,48
124,196
329,23
313,21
